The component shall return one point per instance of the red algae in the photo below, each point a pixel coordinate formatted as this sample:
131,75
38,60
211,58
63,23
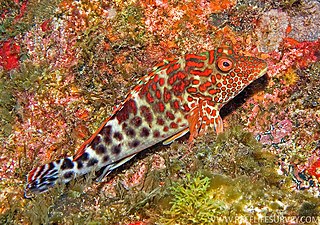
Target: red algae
9,55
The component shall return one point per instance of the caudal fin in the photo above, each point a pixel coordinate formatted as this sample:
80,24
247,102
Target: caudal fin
41,178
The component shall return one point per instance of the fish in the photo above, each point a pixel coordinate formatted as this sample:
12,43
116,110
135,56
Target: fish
179,96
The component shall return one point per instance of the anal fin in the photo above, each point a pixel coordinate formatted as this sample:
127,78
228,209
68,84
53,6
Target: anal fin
108,169
176,136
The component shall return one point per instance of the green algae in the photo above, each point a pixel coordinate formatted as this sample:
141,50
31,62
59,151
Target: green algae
25,79
37,11
191,202
129,24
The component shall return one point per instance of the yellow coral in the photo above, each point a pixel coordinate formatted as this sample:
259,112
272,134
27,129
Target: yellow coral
290,77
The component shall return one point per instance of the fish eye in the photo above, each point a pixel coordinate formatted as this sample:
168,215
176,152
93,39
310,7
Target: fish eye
224,64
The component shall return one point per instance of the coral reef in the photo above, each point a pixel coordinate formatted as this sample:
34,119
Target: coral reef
65,64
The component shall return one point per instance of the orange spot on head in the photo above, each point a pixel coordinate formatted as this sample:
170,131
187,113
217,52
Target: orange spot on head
192,90
212,91
237,70
208,110
213,79
195,81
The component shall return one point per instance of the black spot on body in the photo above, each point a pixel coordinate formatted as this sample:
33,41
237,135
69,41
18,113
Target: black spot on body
92,162
145,132
80,165
124,125
100,149
156,134
106,158
130,132
67,164
83,157
106,134
128,108
122,115
118,136
68,175
107,140
160,121
116,149
146,113
95,142
134,144
106,130
136,121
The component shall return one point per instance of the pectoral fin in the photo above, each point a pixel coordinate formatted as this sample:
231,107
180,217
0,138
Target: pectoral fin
176,136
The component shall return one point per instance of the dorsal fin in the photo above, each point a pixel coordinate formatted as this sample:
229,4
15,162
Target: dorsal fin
137,88
81,150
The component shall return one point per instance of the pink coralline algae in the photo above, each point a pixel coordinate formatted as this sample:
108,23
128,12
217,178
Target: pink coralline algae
271,30
294,53
277,133
306,23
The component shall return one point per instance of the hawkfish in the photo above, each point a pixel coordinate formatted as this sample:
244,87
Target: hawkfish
180,95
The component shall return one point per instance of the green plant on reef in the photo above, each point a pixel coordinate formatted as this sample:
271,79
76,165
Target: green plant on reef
29,78
130,26
192,203
36,12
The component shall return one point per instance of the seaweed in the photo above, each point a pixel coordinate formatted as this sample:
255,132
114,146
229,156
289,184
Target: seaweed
192,203
20,16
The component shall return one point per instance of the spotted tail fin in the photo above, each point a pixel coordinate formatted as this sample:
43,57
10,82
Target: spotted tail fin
41,178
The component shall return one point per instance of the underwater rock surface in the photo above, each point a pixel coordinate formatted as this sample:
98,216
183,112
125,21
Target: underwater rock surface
65,64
